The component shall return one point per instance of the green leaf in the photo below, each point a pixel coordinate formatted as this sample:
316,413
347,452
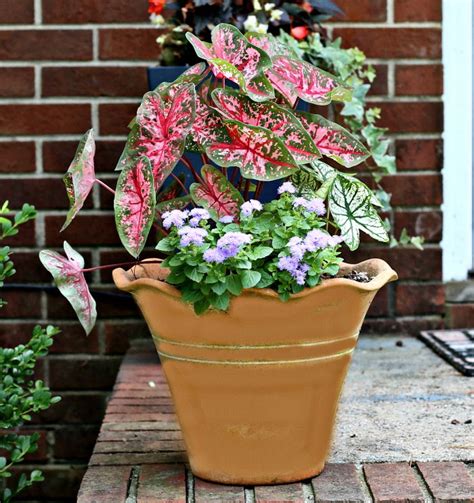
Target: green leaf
350,204
201,306
261,252
234,284
249,278
222,302
165,245
194,275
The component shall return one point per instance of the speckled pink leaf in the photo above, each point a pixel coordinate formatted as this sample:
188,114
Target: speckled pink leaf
69,278
216,194
269,44
134,205
333,140
295,78
268,115
80,176
258,153
233,57
208,126
163,123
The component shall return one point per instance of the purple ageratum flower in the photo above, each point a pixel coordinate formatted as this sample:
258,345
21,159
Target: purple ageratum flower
250,206
226,219
229,244
300,275
191,236
213,255
297,247
315,205
294,267
286,187
197,216
174,217
316,239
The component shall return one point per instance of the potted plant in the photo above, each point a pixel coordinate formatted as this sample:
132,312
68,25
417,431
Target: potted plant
253,313
199,18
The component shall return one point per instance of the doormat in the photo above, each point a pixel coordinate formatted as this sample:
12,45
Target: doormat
455,346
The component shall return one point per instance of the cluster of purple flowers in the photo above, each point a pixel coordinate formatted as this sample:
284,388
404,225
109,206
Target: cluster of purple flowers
191,236
286,187
178,218
315,205
227,246
250,206
314,240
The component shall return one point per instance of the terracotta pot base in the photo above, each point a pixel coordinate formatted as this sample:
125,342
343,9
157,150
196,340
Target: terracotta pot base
256,389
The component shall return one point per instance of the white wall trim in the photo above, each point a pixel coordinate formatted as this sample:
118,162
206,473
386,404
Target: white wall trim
458,139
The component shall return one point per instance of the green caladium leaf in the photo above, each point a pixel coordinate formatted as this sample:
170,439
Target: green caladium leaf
258,153
280,121
80,176
178,203
350,204
134,205
333,140
68,275
216,194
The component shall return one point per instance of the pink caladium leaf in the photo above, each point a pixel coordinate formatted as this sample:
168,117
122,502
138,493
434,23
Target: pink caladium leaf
269,115
233,57
216,194
258,153
80,176
193,75
69,277
174,189
333,140
269,44
208,126
162,125
298,79
134,205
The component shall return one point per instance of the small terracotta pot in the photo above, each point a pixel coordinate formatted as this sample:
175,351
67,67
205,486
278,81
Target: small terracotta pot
256,388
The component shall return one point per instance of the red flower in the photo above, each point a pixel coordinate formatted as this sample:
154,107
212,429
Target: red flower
307,7
299,32
156,6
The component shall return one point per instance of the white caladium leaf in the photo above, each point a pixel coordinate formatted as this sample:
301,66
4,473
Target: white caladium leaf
278,120
233,57
295,78
163,122
322,171
80,176
333,140
69,277
134,205
258,153
351,207
216,194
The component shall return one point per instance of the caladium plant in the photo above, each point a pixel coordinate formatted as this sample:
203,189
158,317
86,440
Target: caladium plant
238,112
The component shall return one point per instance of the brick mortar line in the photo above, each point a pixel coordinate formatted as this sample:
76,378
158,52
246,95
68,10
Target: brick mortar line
147,26
38,12
390,12
249,495
427,494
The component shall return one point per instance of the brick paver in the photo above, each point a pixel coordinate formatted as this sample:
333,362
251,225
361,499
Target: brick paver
139,457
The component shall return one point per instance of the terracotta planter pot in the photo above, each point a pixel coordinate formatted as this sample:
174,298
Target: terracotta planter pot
256,389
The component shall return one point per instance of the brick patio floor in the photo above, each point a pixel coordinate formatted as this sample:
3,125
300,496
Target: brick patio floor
404,434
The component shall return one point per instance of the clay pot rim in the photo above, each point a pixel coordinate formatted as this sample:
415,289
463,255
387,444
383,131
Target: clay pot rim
382,273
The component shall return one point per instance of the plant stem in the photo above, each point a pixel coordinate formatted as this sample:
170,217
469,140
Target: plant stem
180,183
189,165
259,189
120,264
204,158
247,188
110,189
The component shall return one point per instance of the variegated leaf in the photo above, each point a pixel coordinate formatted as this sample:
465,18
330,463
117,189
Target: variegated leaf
351,207
296,78
173,190
68,275
163,123
216,194
193,75
258,153
269,44
178,203
134,205
322,171
269,115
233,57
333,140
80,176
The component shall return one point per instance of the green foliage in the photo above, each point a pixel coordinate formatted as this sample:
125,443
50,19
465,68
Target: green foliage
20,394
350,66
270,233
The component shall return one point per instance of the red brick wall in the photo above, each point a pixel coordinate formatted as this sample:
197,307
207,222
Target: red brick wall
68,65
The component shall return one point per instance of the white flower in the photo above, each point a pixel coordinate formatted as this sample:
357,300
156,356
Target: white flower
252,24
269,6
157,20
161,39
256,5
275,15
